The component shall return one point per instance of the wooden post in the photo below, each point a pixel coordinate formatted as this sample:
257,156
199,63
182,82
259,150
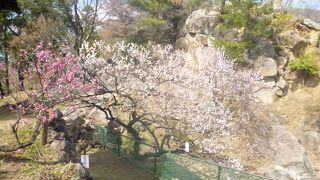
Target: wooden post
45,133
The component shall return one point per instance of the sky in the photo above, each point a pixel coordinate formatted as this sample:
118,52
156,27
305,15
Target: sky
313,4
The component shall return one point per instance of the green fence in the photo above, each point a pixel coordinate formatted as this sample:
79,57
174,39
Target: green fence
169,166
186,167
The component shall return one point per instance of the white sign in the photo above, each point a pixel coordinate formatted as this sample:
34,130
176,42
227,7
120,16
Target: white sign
187,146
85,161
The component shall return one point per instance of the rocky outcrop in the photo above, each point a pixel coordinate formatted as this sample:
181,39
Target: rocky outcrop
311,24
263,48
202,21
290,160
65,133
65,150
198,28
291,39
267,67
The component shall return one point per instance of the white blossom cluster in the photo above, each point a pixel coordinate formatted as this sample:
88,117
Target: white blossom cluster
205,92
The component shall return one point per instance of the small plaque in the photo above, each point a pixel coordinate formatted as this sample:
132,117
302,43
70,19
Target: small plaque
85,161
187,147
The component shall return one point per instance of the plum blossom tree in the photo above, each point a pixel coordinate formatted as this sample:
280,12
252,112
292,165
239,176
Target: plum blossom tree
162,89
155,89
54,76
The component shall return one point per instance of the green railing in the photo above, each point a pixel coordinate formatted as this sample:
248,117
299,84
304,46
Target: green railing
186,167
170,166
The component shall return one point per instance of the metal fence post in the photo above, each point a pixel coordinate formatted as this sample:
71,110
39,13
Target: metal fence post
119,144
155,163
219,173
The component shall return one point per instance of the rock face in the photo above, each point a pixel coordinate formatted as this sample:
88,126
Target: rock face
97,115
198,27
266,96
267,66
311,24
291,38
282,84
202,21
65,131
80,172
290,160
287,148
263,48
65,150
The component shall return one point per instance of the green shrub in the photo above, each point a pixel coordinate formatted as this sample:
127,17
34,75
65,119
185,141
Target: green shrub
260,28
305,64
281,22
254,19
234,50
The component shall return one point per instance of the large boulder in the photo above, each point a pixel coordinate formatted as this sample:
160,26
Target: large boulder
311,24
313,37
282,61
190,42
202,21
267,66
263,48
282,83
293,40
290,160
80,172
65,150
266,96
97,115
286,146
198,28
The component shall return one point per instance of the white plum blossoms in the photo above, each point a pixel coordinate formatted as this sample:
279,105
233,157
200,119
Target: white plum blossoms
206,94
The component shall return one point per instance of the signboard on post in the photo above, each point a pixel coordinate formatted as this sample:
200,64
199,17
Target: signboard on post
187,146
85,161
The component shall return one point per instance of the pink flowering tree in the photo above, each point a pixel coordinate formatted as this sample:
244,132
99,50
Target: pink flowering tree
55,77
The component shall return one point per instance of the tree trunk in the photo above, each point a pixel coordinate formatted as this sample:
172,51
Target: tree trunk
45,133
21,80
7,82
136,145
1,91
